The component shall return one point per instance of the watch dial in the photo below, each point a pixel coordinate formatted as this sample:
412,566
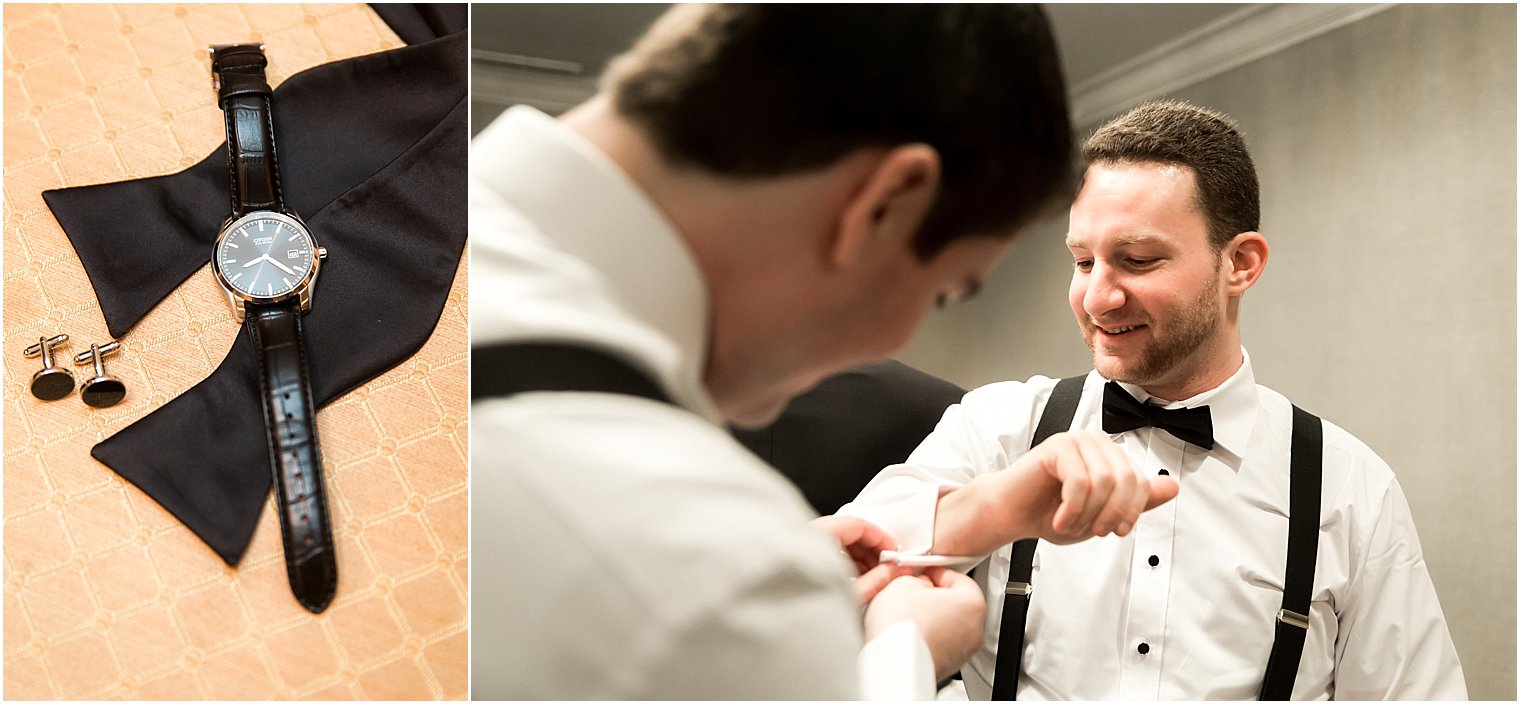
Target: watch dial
265,257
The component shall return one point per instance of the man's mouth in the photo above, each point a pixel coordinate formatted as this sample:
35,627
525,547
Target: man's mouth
1119,330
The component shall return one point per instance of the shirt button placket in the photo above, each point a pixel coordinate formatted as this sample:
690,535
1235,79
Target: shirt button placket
1150,577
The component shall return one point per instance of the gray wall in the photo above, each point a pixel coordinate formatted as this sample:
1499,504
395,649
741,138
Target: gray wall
1386,151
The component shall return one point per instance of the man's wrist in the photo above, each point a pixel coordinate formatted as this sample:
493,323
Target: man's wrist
977,518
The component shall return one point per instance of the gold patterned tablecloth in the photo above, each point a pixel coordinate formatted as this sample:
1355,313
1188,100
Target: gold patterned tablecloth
106,594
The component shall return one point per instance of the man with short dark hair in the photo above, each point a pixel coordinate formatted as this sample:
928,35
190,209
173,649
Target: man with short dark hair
1198,600
758,197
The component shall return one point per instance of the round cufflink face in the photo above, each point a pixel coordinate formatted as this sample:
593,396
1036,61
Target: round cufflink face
52,384
103,392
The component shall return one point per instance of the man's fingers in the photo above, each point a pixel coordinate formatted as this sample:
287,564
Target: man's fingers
937,576
1100,479
1163,489
862,540
948,578
1101,490
1127,499
866,534
864,557
872,581
1072,474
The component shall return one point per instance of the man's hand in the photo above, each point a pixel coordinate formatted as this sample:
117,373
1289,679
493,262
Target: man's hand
1071,487
863,542
946,605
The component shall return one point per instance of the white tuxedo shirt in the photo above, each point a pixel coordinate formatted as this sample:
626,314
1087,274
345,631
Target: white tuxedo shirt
624,548
1205,610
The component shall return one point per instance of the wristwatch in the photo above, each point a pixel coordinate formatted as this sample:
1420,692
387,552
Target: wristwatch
266,261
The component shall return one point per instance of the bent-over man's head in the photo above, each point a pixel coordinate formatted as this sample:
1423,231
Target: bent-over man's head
836,170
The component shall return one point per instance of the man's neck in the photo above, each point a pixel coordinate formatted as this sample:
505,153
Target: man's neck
1191,379
745,234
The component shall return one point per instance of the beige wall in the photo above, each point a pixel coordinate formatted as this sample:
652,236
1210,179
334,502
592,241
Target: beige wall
1386,150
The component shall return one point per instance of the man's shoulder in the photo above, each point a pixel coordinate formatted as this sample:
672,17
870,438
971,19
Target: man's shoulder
1350,466
638,517
664,485
1011,402
624,440
1032,391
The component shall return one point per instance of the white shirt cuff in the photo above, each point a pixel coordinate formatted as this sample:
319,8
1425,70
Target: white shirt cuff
896,666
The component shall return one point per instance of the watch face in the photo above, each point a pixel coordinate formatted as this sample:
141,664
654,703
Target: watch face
265,255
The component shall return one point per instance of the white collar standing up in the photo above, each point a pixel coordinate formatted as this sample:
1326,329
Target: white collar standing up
615,275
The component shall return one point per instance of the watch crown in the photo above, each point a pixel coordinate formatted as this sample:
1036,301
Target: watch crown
321,252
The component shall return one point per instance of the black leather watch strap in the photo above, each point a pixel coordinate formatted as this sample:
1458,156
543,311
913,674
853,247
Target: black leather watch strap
290,417
243,95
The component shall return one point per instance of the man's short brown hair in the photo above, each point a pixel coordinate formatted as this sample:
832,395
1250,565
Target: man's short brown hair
1206,141
754,91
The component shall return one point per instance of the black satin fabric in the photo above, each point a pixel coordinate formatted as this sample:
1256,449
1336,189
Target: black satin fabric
419,22
372,156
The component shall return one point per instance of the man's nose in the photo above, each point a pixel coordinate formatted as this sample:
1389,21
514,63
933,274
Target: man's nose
1104,291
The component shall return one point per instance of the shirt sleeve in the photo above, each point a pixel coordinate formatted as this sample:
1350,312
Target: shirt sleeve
896,665
972,438
786,636
1393,642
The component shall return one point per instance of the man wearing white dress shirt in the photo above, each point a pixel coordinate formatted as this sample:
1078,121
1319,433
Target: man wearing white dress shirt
1164,242
758,197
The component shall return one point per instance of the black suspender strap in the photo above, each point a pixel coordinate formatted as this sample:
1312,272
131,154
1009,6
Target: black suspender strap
507,369
1305,470
1305,480
1059,411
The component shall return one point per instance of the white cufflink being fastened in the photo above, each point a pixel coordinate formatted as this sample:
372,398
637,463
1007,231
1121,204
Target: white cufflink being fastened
923,560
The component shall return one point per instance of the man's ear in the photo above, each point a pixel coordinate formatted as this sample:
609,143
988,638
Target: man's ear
889,206
1245,259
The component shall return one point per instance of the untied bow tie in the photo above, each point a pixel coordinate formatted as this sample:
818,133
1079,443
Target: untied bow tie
1121,412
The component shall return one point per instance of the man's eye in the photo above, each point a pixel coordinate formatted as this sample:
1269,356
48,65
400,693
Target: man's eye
1140,263
1084,264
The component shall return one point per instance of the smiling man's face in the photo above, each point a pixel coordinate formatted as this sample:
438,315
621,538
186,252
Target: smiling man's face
1145,287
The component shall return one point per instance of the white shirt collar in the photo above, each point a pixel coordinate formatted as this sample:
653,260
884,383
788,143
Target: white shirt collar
1232,406
571,249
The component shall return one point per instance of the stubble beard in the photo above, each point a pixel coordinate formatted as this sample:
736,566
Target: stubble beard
1174,342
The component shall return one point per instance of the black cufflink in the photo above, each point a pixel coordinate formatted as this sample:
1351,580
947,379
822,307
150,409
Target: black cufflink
103,389
50,383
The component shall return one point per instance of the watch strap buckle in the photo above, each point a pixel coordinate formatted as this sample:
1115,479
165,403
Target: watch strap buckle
238,69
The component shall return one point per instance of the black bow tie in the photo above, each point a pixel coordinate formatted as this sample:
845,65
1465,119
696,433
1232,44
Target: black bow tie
1121,412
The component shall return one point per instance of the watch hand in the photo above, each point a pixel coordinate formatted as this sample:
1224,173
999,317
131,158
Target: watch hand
256,260
282,267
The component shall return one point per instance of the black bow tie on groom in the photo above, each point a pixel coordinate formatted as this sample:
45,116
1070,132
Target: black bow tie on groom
1121,412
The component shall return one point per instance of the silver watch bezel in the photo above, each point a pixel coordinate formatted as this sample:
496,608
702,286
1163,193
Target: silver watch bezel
239,299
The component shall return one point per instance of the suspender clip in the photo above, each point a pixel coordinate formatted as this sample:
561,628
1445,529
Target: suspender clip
1019,588
1293,618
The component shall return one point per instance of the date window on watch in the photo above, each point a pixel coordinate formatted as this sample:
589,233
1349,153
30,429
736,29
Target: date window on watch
292,253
